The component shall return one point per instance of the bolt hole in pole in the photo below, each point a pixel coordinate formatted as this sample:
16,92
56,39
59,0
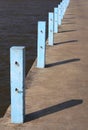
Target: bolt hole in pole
41,47
16,89
41,31
16,63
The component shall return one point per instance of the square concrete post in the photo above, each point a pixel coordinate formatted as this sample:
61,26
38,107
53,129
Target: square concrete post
59,14
17,82
55,20
50,28
62,10
41,44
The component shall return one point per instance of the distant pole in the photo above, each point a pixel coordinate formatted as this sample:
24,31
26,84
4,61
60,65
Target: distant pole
59,14
55,20
62,12
41,44
64,6
50,28
17,81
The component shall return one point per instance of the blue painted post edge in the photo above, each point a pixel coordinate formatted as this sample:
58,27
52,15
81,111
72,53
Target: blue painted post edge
50,28
41,44
17,82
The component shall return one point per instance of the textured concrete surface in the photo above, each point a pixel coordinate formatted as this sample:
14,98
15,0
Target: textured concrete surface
57,96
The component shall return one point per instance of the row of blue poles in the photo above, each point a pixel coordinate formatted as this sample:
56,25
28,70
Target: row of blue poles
17,61
54,21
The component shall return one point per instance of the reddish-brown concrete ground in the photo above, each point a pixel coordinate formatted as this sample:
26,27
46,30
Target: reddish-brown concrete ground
57,96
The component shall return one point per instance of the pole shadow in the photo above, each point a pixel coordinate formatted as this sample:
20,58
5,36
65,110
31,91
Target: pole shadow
69,18
67,23
71,41
53,109
67,31
70,14
62,62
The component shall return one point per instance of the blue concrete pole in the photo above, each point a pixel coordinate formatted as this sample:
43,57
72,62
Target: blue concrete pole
63,9
50,28
64,2
55,20
68,3
61,4
41,44
17,82
59,14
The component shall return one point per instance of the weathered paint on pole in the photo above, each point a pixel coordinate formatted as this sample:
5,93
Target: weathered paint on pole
41,44
17,81
55,20
50,28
